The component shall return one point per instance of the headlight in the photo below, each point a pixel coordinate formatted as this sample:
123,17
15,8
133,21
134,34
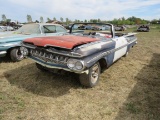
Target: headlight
75,64
79,65
71,63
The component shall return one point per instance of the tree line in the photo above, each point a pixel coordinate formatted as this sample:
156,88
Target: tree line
120,21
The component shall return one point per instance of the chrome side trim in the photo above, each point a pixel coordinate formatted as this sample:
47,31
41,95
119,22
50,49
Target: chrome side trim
3,52
71,54
109,52
28,46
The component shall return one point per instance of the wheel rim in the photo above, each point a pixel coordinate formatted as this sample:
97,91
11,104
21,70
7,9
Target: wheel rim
19,54
95,73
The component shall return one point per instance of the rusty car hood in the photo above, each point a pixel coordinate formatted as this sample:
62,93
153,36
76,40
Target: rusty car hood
67,41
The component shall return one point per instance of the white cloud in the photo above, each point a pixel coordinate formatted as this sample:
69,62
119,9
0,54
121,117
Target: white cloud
84,9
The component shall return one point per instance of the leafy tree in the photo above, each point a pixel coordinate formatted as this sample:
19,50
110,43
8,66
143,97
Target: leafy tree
29,18
143,22
36,21
61,19
138,21
75,20
67,21
114,21
95,21
48,19
78,20
8,22
41,19
91,20
54,19
98,20
132,23
123,19
154,21
4,17
132,19
127,22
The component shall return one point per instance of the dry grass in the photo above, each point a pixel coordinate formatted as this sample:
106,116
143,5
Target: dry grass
129,89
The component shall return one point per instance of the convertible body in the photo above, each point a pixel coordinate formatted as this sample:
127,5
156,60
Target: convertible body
80,52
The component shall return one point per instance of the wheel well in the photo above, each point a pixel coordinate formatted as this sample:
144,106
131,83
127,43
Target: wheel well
9,50
103,64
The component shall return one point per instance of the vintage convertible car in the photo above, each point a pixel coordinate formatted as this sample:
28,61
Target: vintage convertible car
10,43
83,52
143,28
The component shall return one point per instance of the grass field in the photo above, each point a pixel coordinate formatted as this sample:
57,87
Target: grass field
128,90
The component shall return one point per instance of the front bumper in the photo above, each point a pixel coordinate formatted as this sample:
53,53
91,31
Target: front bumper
56,66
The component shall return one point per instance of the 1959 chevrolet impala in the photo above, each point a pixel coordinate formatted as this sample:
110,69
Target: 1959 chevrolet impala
83,52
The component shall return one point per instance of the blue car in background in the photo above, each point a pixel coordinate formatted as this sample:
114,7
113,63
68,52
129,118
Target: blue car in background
10,44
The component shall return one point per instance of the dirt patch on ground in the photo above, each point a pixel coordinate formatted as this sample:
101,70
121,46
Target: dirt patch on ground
129,89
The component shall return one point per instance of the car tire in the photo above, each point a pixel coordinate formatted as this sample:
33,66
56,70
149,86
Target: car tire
40,67
16,55
92,78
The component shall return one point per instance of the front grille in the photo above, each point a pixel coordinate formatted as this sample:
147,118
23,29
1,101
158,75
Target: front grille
49,57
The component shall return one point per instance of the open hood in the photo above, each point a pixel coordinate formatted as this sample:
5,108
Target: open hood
67,41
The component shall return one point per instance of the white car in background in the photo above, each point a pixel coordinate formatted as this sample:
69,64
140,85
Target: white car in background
9,28
3,28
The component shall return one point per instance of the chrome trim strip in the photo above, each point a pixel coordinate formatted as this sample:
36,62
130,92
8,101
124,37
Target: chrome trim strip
29,46
2,52
69,55
109,52
55,46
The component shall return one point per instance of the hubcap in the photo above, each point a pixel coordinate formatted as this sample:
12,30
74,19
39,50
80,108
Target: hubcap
94,73
19,54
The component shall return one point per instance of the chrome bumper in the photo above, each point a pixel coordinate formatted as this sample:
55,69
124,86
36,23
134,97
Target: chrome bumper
55,67
3,53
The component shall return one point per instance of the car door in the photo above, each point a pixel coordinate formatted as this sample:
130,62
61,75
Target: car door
120,47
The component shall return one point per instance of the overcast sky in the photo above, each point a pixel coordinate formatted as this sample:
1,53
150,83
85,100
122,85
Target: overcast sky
79,9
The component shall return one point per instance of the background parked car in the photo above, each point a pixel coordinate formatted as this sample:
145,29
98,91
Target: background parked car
3,28
10,43
143,28
88,27
9,28
120,28
81,27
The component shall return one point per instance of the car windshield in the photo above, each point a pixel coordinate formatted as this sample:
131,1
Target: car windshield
29,29
91,28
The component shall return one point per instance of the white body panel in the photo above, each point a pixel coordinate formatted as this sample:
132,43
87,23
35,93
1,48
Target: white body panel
120,42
